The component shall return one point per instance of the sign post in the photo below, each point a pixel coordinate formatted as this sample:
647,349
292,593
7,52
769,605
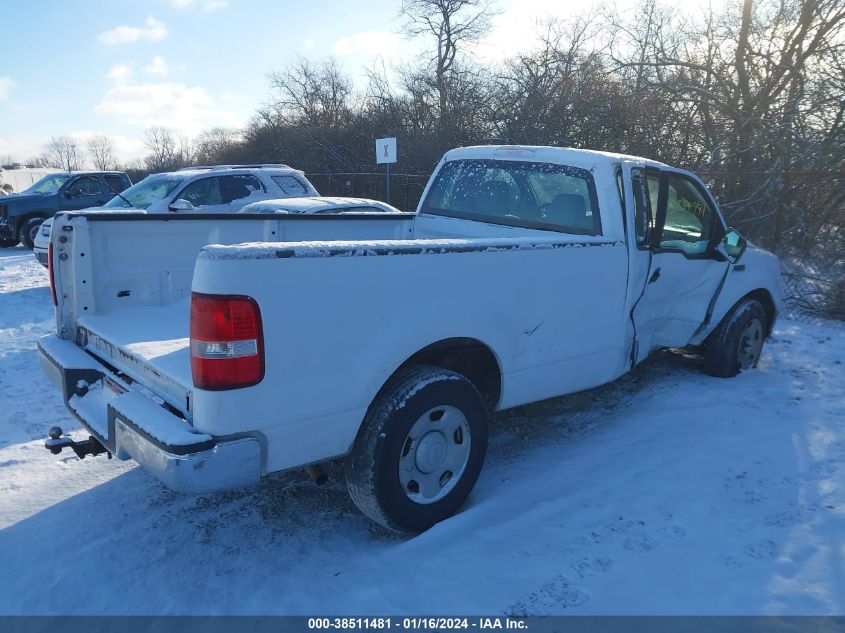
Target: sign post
386,153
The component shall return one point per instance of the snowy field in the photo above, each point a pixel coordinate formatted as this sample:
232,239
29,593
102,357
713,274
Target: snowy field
667,492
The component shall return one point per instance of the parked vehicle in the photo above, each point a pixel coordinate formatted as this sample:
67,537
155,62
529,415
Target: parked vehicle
219,189
526,273
215,189
41,243
320,205
23,213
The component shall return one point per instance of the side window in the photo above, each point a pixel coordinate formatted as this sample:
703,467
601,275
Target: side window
239,187
291,185
86,186
689,218
202,193
115,183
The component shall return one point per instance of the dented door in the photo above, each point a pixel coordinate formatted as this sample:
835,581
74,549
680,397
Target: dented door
684,272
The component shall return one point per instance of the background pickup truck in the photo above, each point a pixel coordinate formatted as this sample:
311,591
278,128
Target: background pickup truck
23,213
242,345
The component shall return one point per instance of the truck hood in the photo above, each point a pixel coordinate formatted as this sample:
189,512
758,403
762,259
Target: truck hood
21,203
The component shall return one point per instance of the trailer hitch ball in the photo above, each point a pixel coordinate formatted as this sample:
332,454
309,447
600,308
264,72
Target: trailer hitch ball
55,432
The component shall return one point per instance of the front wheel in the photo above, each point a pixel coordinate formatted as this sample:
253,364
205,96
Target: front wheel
420,449
736,344
29,231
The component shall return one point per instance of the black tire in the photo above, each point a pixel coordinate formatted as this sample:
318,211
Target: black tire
372,467
8,243
726,349
28,232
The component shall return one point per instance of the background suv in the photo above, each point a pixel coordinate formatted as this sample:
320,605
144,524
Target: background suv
214,189
217,189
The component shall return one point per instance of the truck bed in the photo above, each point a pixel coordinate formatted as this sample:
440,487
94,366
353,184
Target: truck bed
149,344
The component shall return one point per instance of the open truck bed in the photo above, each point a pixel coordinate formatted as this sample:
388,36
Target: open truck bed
150,345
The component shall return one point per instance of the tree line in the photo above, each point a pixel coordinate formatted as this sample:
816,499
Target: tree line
751,95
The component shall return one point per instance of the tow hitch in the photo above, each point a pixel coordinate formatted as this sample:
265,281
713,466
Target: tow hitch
59,441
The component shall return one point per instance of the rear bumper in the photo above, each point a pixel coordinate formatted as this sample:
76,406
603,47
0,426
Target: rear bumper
41,256
131,425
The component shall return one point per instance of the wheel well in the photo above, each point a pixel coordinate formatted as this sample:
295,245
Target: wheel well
28,216
466,356
765,298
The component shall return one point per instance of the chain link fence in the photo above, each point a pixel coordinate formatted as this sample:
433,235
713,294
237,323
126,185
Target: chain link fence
405,189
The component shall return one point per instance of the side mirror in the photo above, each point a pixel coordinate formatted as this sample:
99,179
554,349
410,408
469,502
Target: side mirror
181,205
734,244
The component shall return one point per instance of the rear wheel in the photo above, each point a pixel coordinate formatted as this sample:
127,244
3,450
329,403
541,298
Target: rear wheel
419,451
737,343
29,231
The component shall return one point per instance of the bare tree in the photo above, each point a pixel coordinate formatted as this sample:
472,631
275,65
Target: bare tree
452,24
64,152
313,94
101,151
214,145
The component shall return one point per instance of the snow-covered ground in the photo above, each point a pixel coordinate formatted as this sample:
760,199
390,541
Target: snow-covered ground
667,492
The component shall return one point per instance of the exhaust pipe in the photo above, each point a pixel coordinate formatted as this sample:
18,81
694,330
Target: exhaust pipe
317,474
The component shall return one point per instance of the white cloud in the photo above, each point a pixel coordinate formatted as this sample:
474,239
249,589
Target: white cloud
157,66
152,31
186,109
207,5
309,43
213,5
368,43
120,73
6,85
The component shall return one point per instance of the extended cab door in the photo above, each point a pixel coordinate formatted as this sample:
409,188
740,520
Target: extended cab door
679,227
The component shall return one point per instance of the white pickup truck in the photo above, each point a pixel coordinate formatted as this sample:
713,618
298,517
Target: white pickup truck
214,350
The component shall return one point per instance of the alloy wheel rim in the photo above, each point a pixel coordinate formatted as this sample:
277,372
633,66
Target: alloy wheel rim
434,454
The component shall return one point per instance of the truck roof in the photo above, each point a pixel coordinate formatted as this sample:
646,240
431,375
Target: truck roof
546,154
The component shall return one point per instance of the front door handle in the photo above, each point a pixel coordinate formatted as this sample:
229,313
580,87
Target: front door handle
654,276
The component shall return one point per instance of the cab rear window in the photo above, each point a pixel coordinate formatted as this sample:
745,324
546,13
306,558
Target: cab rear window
516,193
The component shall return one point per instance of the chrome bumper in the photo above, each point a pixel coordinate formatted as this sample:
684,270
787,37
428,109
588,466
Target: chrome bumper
131,426
41,256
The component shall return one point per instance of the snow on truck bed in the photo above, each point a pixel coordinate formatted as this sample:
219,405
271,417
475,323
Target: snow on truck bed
363,248
155,336
666,492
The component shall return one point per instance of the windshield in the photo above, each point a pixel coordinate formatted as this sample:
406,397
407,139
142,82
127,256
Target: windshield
48,184
140,196
517,193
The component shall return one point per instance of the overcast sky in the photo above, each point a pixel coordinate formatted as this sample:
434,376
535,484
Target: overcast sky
117,66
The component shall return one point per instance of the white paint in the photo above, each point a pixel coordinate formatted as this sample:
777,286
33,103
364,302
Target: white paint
344,302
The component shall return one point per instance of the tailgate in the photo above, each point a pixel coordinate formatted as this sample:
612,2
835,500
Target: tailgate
148,345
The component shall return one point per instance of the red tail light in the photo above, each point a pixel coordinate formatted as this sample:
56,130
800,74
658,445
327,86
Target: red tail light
51,273
227,342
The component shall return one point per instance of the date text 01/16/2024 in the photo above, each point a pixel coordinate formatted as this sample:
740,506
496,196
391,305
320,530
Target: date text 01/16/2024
417,623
